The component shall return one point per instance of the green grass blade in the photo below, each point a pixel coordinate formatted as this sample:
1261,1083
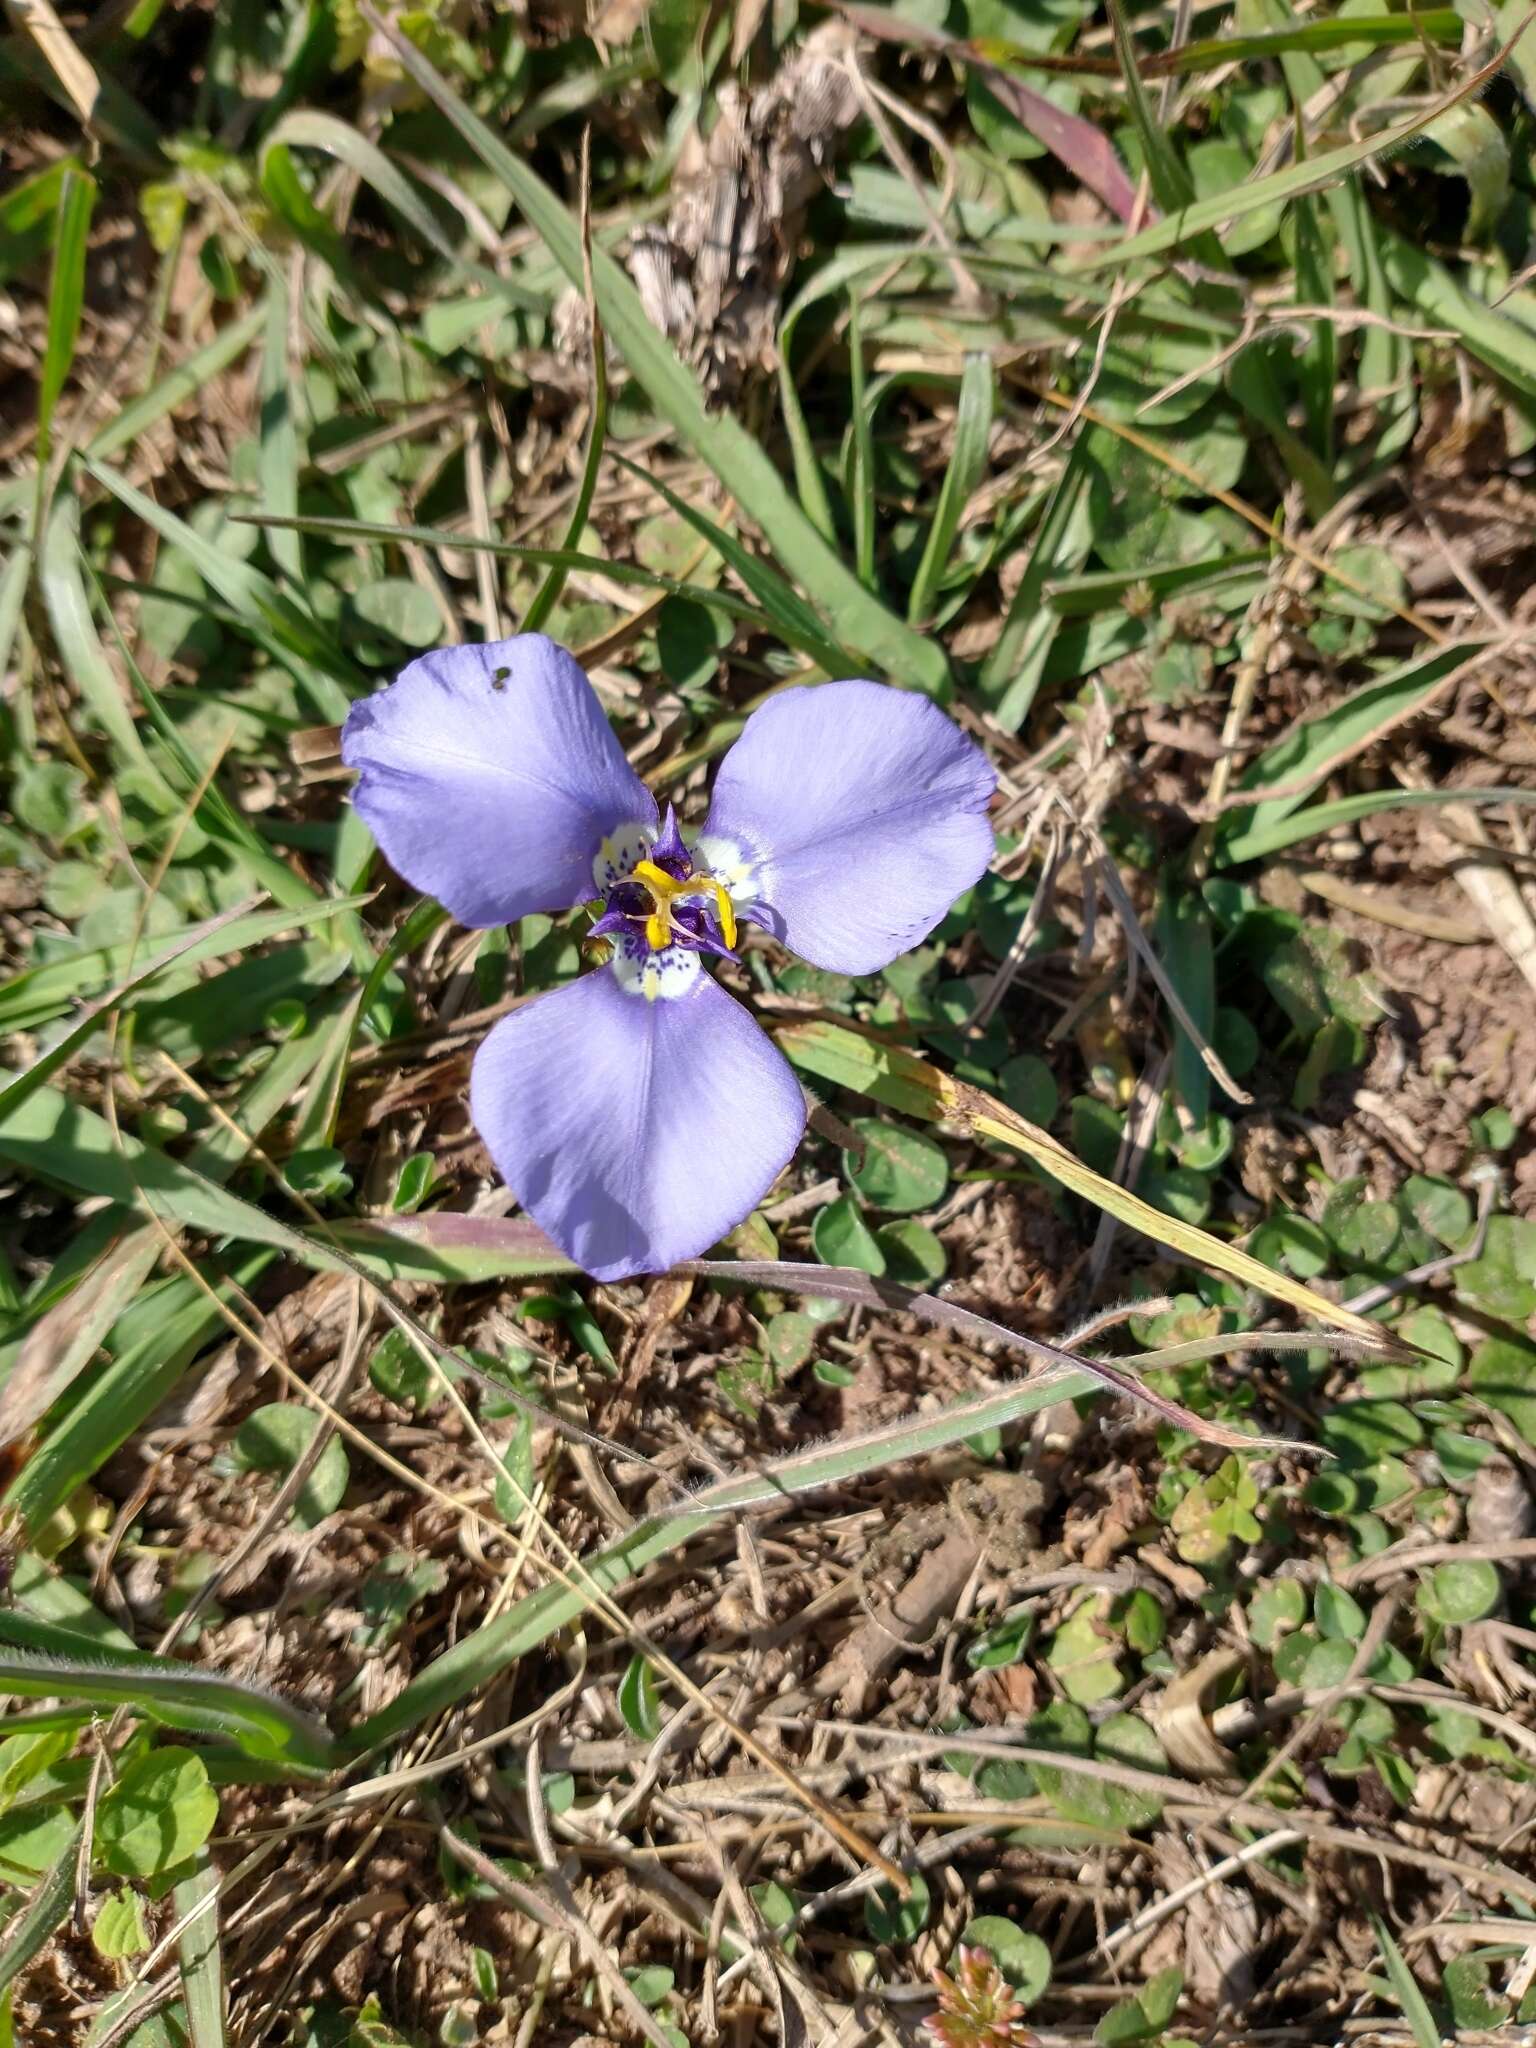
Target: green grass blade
29,214
856,617
862,492
220,1150
99,1420
1405,1988
81,654
67,1145
77,198
195,1899
125,428
968,459
230,828
280,451
795,621
446,1246
1249,45
201,368
1314,748
1314,175
45,1912
13,593
1504,344
214,935
481,1657
307,128
1317,365
597,434
271,618
807,628
1184,941
1015,668
1172,186
38,1662
285,192
1348,810
68,1336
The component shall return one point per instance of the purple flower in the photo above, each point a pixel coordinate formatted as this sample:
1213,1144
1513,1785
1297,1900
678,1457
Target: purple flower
639,1113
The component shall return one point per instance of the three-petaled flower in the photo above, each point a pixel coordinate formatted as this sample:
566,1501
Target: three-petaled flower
639,1112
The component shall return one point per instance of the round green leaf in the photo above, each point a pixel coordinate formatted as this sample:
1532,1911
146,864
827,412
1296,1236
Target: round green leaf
1331,1493
158,1814
638,1701
1004,1643
48,798
1206,1146
121,1927
1503,1280
954,1004
1236,1042
1124,1739
1503,1373
841,1237
1338,1614
1429,1329
901,1169
1363,1231
1217,166
1362,1432
1438,1207
32,1841
913,1255
651,1983
1457,1593
778,1907
791,1340
1027,1085
688,639
1083,1654
1461,1457
275,1437
1387,1480
1292,1242
1278,1605
399,1371
1178,1191
402,609
1002,1778
896,1921
1022,1957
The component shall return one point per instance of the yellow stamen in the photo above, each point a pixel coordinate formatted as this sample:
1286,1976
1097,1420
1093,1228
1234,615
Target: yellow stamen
727,912
664,890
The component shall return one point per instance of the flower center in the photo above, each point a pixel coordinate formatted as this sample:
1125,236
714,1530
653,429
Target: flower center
656,900
667,890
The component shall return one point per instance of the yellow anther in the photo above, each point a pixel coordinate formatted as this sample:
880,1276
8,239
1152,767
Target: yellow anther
727,912
664,890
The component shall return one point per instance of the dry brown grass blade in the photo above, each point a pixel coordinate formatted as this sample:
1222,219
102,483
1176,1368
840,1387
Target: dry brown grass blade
890,1073
42,27
63,1342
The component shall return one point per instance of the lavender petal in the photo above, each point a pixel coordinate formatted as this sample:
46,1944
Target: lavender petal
490,777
